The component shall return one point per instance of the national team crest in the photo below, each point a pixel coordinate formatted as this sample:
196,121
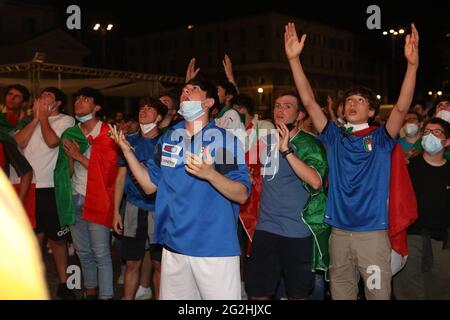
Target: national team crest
368,144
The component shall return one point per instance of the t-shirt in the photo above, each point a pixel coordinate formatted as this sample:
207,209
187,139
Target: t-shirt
432,189
406,145
40,156
79,178
192,217
283,198
143,150
358,178
230,120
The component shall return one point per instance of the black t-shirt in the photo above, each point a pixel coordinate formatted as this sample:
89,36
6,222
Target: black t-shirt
14,158
432,188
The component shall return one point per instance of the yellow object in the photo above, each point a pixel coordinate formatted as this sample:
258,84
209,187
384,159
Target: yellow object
21,267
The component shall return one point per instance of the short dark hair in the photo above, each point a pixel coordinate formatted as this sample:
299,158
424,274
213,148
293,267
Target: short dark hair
365,92
245,101
419,116
22,89
131,117
174,99
208,86
91,93
160,107
59,95
229,88
300,107
444,125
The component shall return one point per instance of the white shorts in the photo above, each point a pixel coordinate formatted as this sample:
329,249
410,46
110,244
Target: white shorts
194,278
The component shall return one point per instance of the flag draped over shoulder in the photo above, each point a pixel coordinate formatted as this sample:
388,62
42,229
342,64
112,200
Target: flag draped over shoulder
102,173
62,179
402,199
101,180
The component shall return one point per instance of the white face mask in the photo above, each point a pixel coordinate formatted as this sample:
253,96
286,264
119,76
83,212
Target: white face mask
432,144
411,129
145,128
444,115
85,118
191,110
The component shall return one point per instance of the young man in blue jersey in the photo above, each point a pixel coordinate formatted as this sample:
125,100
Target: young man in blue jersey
359,161
137,224
201,177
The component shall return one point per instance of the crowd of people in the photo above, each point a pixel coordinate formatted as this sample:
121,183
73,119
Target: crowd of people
206,199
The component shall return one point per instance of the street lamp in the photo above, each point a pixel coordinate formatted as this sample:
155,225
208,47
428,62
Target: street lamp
439,93
393,33
260,91
103,29
430,93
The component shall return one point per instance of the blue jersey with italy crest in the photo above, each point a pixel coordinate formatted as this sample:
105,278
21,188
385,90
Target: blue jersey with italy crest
192,217
358,177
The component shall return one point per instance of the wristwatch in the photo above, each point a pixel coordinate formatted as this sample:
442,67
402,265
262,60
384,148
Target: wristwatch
286,152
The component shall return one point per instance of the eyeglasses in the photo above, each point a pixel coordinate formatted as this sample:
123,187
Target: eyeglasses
435,132
83,99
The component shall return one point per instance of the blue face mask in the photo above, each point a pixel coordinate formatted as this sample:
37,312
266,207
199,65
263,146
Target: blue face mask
431,144
191,110
85,118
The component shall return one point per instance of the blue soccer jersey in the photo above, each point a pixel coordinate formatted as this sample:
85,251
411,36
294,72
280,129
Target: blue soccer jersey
143,150
359,172
192,217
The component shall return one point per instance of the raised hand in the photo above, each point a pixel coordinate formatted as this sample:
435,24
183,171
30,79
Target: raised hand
412,47
292,46
283,139
72,149
198,167
119,137
191,72
228,68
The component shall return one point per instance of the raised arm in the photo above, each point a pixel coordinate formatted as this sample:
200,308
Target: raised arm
293,49
51,139
228,68
139,170
395,121
191,72
23,136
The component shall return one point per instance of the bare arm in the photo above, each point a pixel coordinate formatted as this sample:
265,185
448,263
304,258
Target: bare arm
203,169
23,136
395,121
118,194
25,182
330,108
293,49
50,137
139,170
306,173
228,68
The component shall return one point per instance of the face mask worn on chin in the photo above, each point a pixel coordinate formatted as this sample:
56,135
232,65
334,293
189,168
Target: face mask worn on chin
411,129
85,118
444,115
145,128
191,110
431,144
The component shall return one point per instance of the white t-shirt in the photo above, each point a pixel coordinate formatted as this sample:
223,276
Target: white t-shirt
40,156
79,178
230,121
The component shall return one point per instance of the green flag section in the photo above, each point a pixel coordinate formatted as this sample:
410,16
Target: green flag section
62,179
